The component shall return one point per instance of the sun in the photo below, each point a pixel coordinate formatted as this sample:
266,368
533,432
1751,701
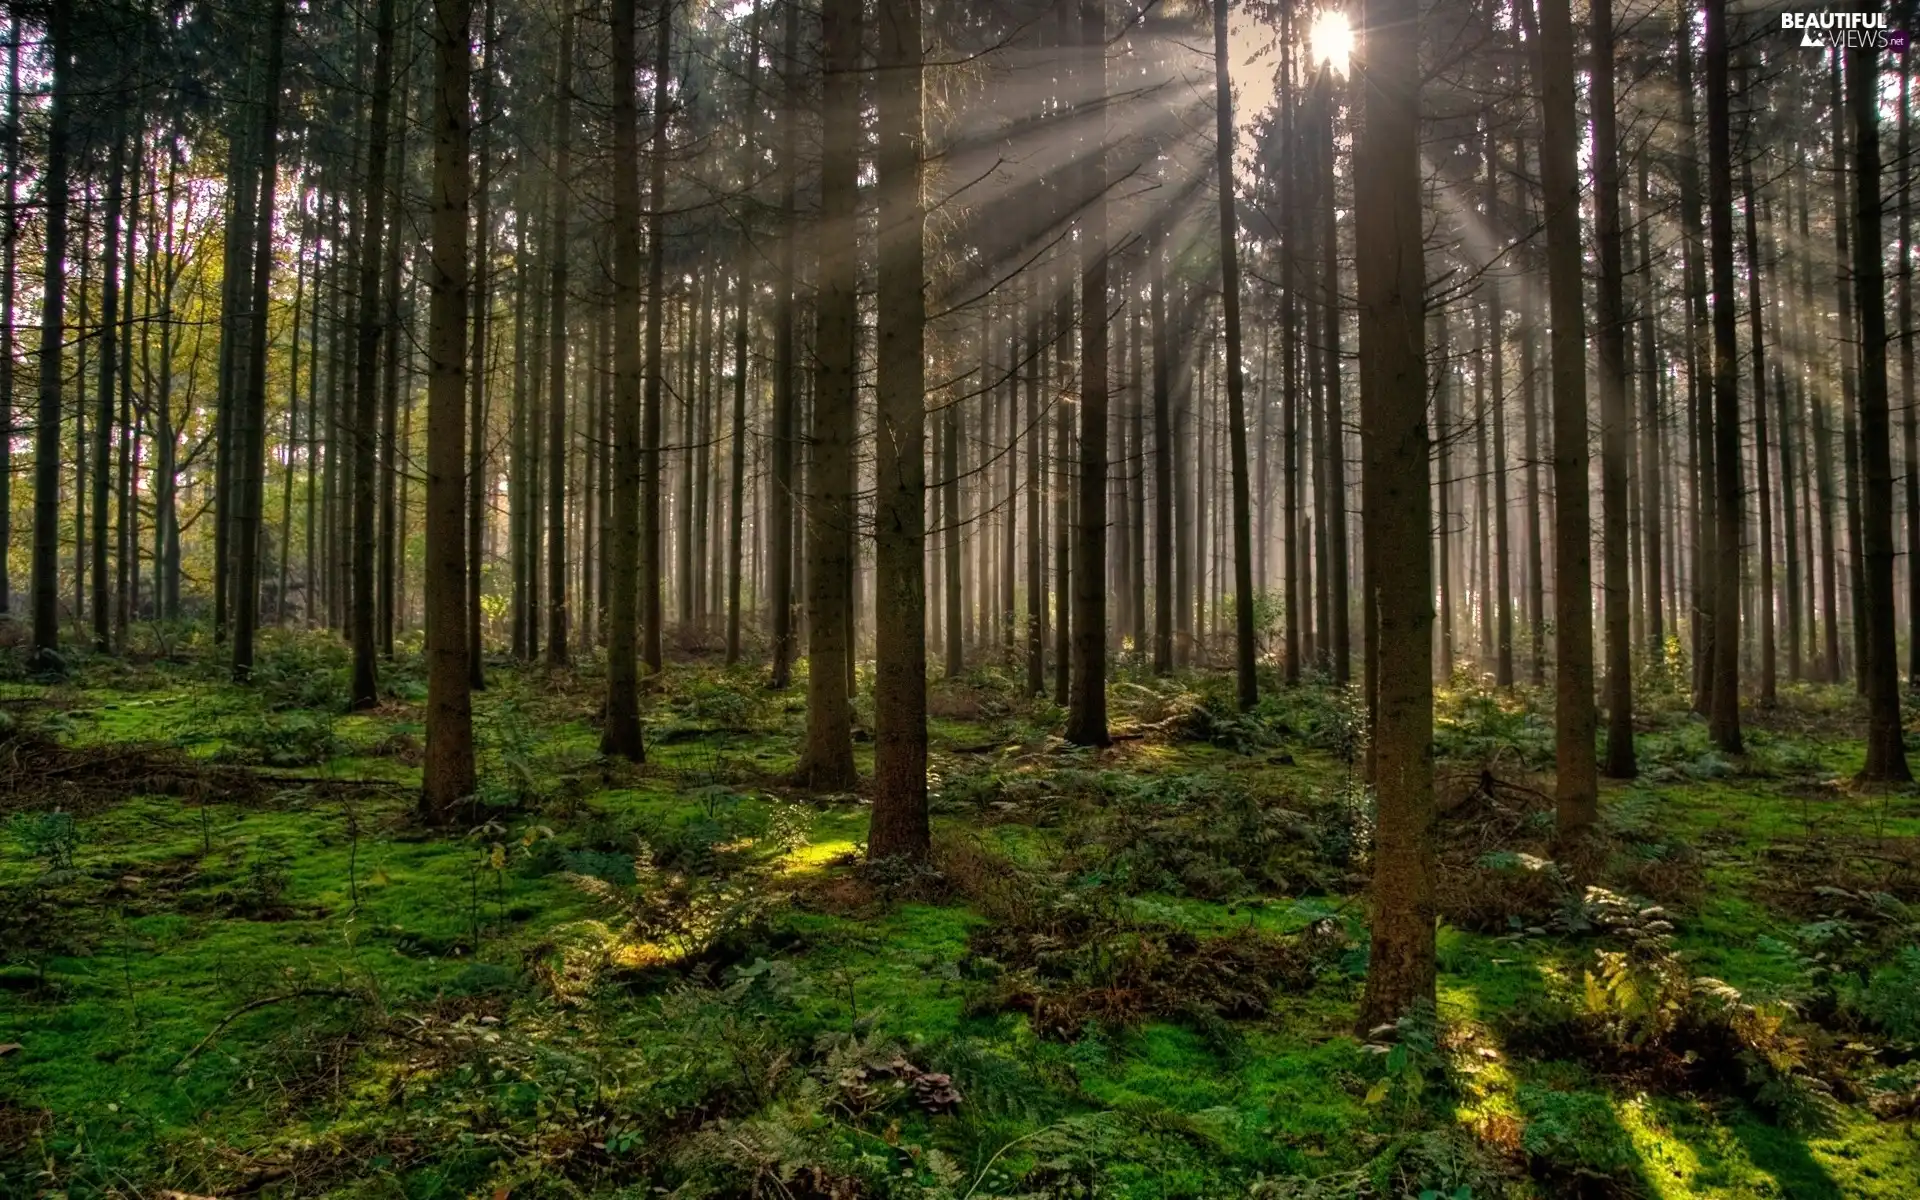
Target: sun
1331,40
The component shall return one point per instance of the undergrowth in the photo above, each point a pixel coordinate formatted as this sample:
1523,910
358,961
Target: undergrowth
234,965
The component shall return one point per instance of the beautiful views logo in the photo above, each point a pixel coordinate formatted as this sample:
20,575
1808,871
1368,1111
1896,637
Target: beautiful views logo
1844,30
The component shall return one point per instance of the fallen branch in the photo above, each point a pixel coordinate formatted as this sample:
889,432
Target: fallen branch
252,1005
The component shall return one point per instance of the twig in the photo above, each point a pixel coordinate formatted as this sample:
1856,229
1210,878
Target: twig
250,1006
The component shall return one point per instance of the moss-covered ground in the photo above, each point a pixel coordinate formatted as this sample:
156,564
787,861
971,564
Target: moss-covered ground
237,965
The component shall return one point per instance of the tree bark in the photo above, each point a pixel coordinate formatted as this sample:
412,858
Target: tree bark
557,248
1247,685
620,736
828,761
1886,746
365,689
447,776
785,368
479,484
899,826
1610,318
251,427
1724,717
652,560
1396,508
1576,787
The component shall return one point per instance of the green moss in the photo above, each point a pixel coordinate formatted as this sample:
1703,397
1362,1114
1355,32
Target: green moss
170,933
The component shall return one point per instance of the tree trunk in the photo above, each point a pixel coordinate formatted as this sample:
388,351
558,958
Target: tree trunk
828,761
1396,508
780,509
1247,686
479,484
1849,388
9,276
1651,504
447,776
1910,424
1886,749
1610,318
1756,313
1724,717
1087,702
1162,460
652,564
620,736
1576,790
557,238
1503,541
111,339
899,825
250,428
364,692
1340,633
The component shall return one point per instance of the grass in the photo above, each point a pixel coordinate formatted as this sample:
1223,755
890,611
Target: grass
299,992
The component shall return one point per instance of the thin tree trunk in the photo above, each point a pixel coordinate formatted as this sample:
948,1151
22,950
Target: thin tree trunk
1163,482
1247,685
557,249
652,565
478,481
365,692
1757,337
9,278
1724,717
110,342
1611,320
251,427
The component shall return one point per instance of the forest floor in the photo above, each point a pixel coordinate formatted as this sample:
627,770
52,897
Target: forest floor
238,966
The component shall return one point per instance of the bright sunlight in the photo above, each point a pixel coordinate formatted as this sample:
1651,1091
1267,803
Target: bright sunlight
1331,39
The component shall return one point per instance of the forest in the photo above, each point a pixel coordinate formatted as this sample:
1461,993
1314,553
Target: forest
933,599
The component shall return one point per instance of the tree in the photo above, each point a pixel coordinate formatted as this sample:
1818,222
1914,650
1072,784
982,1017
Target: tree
652,568
785,424
745,283
1724,712
620,736
1396,506
447,775
1611,327
1087,698
250,427
899,825
1576,787
828,760
366,359
1246,685
1886,746
45,581
557,609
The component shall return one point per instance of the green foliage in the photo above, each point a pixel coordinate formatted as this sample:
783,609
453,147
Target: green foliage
1892,999
1576,1132
1407,1061
1108,984
1479,724
1206,837
52,837
298,737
